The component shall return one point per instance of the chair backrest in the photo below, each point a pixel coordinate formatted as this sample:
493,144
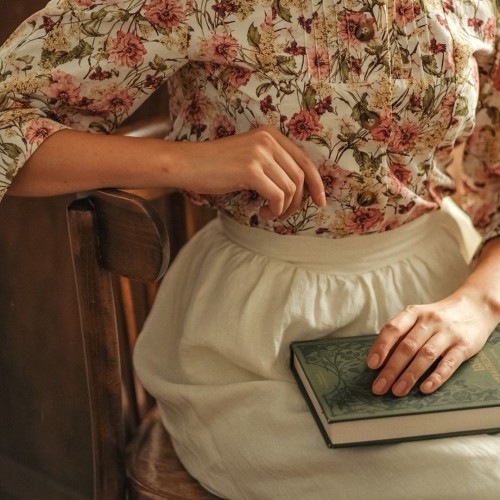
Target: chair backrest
117,239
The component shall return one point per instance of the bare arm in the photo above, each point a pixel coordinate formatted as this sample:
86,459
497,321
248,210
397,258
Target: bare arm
262,160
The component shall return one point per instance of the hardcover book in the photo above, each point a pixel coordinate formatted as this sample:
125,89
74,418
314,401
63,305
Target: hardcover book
336,383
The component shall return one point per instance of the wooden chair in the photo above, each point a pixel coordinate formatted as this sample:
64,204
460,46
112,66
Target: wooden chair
117,239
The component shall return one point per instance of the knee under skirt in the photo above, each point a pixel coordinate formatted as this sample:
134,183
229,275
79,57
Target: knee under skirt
215,354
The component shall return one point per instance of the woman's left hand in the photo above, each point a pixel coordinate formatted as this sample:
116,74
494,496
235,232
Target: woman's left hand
412,341
452,329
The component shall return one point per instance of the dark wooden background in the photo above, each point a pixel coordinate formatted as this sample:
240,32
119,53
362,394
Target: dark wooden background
45,450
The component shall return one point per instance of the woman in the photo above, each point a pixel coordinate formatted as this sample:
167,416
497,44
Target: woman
322,132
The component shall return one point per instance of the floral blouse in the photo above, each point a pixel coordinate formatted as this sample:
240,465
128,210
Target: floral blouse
377,92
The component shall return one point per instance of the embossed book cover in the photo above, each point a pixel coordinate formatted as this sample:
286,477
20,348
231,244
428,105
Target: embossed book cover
336,383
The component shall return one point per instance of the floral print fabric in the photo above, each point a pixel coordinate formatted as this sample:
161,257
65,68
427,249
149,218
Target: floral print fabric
377,92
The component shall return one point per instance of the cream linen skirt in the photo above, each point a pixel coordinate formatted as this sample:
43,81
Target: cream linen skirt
215,354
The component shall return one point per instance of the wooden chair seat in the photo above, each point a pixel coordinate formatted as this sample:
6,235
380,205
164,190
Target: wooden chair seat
151,459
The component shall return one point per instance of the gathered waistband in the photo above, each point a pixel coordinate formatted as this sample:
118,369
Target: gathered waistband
357,253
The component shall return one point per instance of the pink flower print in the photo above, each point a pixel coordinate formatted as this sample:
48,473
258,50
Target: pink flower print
282,230
306,24
153,82
334,178
475,22
416,101
400,172
448,6
38,130
240,76
99,74
363,220
443,22
85,102
324,105
405,12
304,124
267,105
196,198
224,8
222,49
404,209
404,137
195,109
349,24
382,131
165,14
126,50
83,3
294,49
437,48
355,65
114,100
490,29
318,63
448,104
63,89
48,24
416,210
268,23
221,127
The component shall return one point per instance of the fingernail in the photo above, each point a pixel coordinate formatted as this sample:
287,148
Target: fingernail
427,386
400,387
380,386
374,360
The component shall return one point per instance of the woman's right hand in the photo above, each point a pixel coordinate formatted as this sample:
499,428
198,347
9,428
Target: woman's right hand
262,160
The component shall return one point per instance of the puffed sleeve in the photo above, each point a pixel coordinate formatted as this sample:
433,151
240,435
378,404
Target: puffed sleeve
481,167
86,65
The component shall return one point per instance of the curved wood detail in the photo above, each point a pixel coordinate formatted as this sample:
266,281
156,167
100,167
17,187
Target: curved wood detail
115,234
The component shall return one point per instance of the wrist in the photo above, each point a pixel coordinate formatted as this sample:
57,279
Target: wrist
175,165
485,299
483,283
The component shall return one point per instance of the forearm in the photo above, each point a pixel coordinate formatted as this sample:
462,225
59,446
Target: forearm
261,160
71,161
483,282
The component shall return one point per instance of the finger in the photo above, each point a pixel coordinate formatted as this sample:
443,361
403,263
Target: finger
444,370
272,193
399,360
425,358
390,334
289,179
312,177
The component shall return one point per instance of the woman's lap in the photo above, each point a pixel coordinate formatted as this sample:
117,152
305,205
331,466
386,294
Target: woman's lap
214,353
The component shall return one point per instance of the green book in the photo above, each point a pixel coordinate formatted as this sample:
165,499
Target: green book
336,383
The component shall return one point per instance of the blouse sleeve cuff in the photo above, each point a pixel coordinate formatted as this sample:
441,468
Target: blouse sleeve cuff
21,134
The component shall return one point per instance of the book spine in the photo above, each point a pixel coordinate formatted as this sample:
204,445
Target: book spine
305,395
